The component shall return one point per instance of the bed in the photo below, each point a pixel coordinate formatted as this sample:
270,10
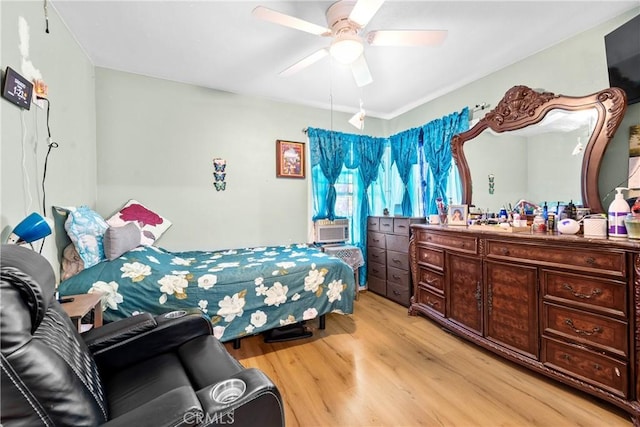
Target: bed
242,291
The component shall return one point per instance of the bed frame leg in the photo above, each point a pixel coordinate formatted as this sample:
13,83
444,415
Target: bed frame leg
322,322
236,343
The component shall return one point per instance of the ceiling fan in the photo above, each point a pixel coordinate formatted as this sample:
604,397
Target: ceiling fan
346,21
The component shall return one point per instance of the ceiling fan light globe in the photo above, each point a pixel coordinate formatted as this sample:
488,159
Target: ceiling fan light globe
346,50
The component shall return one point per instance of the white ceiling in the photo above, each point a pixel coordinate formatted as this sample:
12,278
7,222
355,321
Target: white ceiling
220,45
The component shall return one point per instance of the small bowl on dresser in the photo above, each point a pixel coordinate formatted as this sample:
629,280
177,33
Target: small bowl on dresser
632,223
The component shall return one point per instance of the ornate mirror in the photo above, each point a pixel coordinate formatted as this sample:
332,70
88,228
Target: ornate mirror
538,146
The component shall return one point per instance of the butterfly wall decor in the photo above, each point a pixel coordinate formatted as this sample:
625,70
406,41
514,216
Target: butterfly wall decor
219,174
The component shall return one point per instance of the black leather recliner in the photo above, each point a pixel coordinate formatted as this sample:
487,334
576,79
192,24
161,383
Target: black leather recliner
141,371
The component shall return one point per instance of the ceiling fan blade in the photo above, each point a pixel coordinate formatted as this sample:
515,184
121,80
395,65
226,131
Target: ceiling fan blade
364,10
406,37
361,72
289,21
305,62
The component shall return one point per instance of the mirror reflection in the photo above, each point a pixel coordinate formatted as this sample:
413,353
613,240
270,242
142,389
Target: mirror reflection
539,147
541,163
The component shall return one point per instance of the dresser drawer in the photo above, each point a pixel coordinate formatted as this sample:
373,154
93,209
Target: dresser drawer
398,260
579,258
597,369
433,258
398,243
373,223
401,226
431,300
431,279
399,293
377,270
398,276
601,332
604,295
377,285
375,239
376,255
386,225
466,244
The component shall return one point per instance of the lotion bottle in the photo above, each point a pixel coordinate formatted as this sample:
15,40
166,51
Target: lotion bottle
618,210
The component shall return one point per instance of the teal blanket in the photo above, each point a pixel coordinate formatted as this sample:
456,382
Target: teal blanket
242,291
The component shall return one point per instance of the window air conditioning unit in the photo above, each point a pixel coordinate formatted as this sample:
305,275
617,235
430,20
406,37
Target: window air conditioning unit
327,231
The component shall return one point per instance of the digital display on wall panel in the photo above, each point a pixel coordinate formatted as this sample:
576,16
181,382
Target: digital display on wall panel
17,89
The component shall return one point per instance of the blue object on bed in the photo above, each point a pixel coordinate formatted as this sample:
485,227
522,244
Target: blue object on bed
242,291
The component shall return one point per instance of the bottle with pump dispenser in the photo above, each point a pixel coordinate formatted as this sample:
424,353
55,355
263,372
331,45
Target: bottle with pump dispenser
618,210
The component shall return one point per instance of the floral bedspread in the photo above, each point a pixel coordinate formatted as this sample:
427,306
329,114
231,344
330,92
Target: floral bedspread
242,291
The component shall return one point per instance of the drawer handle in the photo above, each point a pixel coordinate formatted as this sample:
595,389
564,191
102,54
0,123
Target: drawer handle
396,277
478,295
396,293
397,261
570,324
566,357
432,304
402,226
590,260
490,298
431,282
505,251
594,293
597,367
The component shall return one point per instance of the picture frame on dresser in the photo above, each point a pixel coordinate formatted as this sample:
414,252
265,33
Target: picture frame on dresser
457,214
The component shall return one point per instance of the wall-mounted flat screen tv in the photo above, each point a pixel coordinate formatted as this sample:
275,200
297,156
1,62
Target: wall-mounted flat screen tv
623,58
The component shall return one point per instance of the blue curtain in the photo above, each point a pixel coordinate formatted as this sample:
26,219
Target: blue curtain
436,146
404,149
328,150
371,151
335,157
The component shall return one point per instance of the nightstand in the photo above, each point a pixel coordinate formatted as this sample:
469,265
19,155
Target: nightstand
80,306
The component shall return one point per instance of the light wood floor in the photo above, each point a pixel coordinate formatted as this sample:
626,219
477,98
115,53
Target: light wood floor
381,367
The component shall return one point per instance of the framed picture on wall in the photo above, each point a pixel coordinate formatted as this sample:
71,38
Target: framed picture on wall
457,215
290,159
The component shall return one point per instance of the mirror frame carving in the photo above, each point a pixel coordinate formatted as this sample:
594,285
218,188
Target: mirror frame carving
522,106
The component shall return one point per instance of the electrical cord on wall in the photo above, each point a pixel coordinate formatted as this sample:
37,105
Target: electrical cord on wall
51,144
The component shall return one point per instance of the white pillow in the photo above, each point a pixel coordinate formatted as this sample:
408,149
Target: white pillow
151,225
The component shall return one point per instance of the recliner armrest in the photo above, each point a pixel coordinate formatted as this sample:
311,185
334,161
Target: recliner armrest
166,336
260,404
115,332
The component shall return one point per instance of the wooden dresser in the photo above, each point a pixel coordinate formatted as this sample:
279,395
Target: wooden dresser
564,306
388,272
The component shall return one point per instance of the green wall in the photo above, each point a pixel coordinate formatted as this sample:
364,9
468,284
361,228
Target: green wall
71,173
156,142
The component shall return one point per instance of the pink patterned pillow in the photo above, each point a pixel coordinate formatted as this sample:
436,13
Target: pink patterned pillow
151,225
